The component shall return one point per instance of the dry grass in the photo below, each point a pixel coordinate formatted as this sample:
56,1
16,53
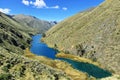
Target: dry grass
97,30
77,58
74,74
114,77
24,68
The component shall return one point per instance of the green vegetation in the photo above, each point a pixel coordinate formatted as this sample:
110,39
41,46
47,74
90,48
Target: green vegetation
91,34
14,37
5,76
80,49
61,65
43,35
5,68
19,67
119,77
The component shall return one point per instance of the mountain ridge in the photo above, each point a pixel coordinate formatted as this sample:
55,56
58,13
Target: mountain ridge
34,22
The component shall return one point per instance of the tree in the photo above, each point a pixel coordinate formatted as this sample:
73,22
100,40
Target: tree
80,49
55,46
43,35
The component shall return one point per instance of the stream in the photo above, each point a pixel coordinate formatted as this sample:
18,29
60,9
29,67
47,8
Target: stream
40,48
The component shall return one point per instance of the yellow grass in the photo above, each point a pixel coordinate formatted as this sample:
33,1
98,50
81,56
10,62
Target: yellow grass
76,58
60,65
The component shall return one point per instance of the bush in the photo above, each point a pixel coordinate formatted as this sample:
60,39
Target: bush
43,35
5,69
66,52
80,49
55,46
5,76
118,78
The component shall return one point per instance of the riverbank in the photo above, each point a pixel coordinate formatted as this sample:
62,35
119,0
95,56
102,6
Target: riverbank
77,58
60,65
79,70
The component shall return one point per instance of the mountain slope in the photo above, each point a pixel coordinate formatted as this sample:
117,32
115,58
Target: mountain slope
17,67
14,39
34,22
93,34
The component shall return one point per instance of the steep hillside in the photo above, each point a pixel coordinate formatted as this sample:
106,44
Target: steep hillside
92,34
8,20
14,37
16,67
34,22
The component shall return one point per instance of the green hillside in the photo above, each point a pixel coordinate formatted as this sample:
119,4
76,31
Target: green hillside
14,39
93,34
17,67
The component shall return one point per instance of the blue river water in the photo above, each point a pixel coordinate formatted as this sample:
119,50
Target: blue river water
39,48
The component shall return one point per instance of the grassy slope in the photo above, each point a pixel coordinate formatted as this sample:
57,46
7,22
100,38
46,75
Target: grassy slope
57,64
14,38
17,67
98,31
8,20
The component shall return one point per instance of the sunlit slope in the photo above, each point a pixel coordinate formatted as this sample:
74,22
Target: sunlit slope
8,20
14,39
93,34
14,36
17,67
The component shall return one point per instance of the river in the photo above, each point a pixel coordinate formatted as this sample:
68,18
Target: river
42,49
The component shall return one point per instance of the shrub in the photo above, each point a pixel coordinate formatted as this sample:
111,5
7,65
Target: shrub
66,52
118,78
5,76
43,35
5,69
55,46
94,59
80,49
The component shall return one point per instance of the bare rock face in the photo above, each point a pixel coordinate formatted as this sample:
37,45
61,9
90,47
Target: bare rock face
93,34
